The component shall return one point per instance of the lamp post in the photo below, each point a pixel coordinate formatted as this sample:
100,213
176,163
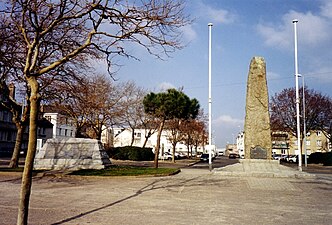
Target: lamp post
304,126
210,100
297,96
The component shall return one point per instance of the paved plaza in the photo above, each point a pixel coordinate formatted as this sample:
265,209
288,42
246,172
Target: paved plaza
194,196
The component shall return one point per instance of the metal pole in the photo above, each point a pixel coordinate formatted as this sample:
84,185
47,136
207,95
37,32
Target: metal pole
304,126
210,100
297,96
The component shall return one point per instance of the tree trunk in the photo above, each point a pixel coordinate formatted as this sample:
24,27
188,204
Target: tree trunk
27,172
147,138
145,141
18,144
156,153
132,137
173,156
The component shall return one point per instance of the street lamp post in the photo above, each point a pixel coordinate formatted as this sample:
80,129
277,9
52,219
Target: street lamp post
210,100
297,96
304,126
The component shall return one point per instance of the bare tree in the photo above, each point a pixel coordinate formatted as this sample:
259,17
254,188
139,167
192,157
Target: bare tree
283,111
53,33
93,103
174,133
133,112
193,133
9,70
150,125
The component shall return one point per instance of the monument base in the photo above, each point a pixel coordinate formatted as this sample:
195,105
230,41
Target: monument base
259,168
71,154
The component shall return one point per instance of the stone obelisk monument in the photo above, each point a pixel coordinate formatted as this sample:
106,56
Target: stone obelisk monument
257,132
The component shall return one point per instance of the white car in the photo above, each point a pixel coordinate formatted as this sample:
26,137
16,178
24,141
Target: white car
292,158
166,156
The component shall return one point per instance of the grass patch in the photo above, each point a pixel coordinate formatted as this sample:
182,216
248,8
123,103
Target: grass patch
127,171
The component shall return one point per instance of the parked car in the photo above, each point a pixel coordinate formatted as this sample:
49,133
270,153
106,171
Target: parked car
292,158
233,155
204,157
166,156
281,157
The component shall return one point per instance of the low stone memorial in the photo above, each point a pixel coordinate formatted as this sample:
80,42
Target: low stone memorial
71,154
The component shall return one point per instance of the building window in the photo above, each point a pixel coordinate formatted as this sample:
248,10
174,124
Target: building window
319,133
319,143
308,143
49,118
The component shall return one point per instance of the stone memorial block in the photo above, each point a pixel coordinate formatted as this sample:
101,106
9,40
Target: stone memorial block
257,130
71,154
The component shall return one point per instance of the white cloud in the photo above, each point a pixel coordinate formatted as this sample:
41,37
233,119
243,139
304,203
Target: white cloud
313,30
225,129
189,34
164,86
272,75
227,120
220,15
326,9
314,37
215,15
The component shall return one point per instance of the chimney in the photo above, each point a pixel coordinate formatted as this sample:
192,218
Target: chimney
12,90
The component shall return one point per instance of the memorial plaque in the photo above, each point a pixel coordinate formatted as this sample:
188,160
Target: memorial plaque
258,153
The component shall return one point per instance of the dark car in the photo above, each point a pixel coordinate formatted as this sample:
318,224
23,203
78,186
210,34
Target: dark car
233,156
205,157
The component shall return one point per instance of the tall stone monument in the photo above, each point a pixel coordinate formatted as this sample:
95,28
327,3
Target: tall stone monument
257,132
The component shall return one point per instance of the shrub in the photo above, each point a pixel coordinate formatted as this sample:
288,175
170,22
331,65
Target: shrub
327,159
320,157
316,157
131,153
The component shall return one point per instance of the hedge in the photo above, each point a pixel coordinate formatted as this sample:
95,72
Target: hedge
131,153
320,157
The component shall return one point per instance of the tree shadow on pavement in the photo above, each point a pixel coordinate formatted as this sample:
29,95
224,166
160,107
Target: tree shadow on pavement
155,185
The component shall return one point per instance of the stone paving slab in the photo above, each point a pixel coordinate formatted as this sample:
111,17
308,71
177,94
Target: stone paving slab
261,168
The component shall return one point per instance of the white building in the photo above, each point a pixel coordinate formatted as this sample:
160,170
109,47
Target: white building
122,137
62,126
240,144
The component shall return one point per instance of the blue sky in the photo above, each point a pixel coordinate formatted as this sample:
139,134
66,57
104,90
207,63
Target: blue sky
241,30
